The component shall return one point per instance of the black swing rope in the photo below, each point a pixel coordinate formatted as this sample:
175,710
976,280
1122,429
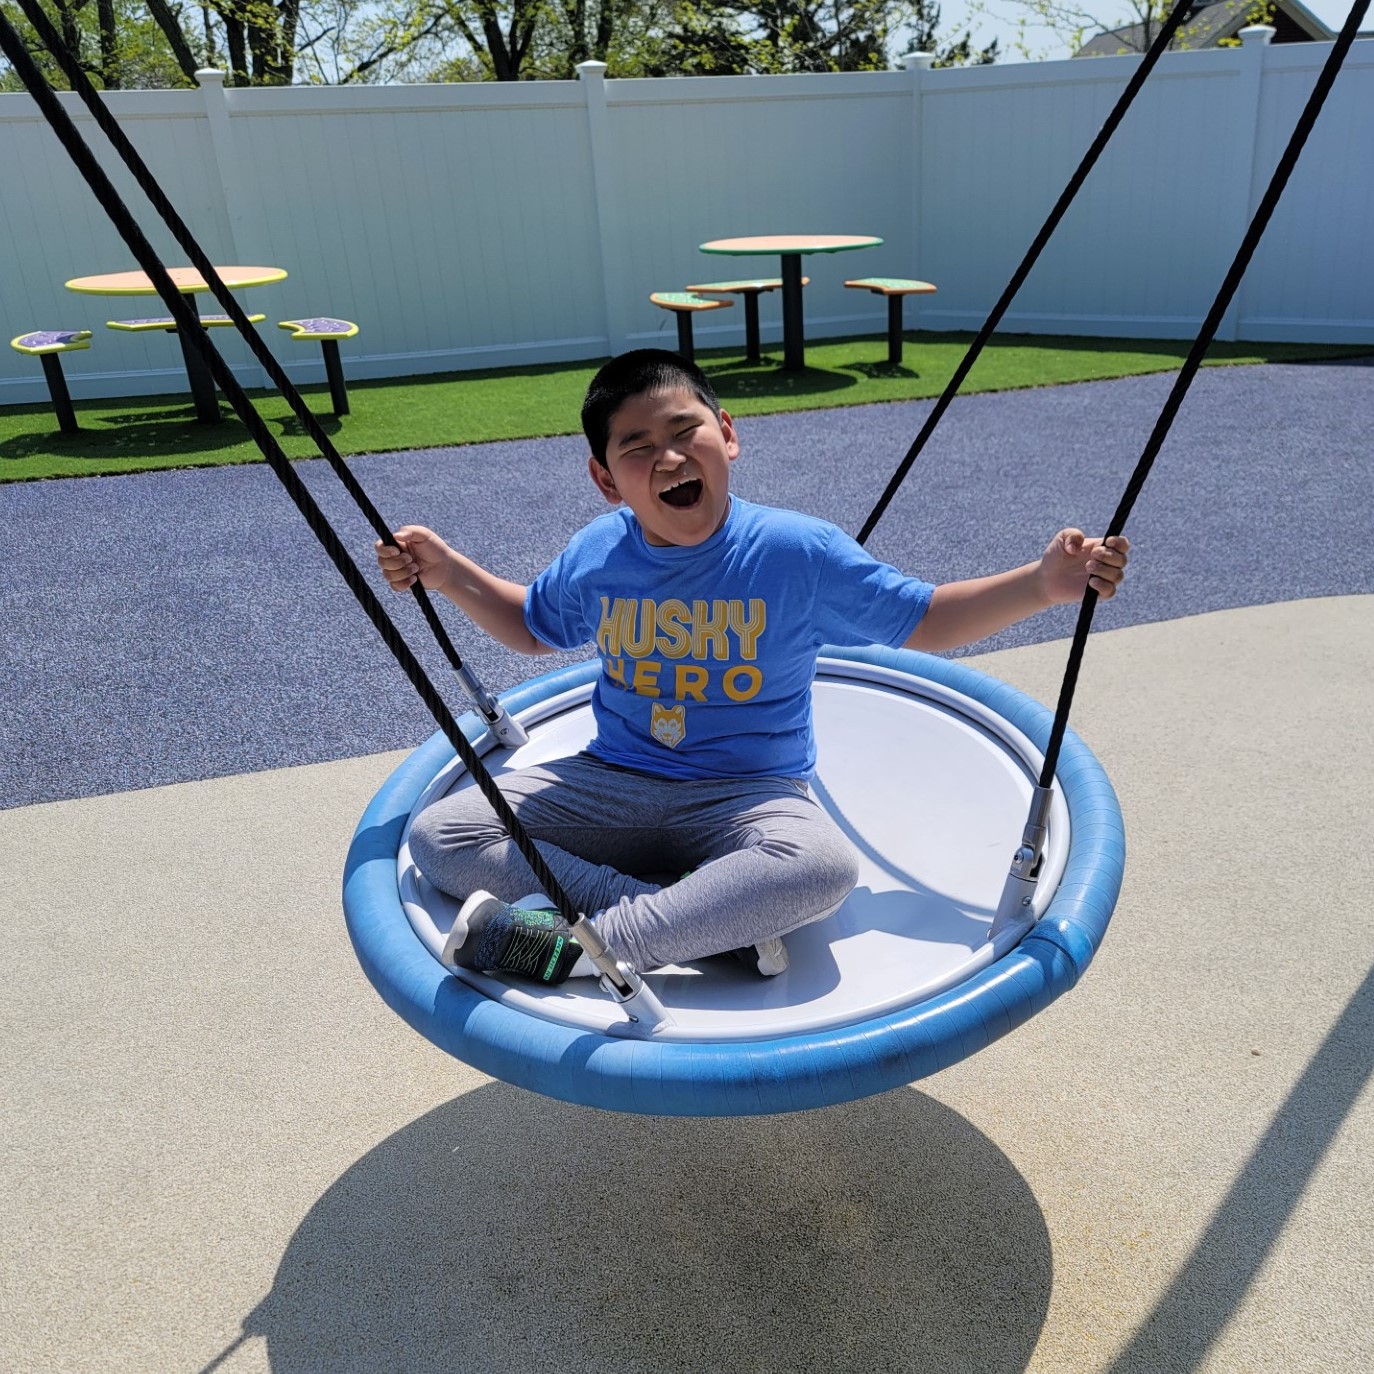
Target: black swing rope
623,981
1254,232
1249,243
1061,208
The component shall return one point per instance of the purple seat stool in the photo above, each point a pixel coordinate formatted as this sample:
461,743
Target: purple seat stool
48,345
328,332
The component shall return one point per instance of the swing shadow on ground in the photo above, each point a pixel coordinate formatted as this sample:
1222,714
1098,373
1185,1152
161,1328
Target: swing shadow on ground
506,1231
503,1230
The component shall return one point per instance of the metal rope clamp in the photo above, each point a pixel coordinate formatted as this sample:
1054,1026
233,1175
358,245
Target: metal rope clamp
499,721
618,978
1016,909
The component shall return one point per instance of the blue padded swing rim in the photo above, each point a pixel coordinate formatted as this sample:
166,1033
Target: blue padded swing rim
740,1078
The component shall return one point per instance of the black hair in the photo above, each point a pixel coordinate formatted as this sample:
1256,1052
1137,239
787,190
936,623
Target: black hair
638,373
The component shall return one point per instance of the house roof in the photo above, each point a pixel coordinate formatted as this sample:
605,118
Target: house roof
1208,25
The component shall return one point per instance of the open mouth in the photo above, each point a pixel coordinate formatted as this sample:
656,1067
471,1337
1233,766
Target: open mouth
682,495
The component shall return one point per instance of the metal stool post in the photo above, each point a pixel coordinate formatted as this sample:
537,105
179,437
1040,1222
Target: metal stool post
333,368
684,335
57,389
894,328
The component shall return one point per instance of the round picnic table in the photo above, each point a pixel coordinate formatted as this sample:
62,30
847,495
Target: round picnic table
187,281
791,248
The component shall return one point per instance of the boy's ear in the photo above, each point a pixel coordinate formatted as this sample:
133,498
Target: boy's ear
605,483
727,428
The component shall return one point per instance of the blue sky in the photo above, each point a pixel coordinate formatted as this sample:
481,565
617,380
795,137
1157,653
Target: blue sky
997,19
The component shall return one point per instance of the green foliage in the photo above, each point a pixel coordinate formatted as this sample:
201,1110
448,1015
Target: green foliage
1136,23
960,53
153,44
1260,12
771,37
126,51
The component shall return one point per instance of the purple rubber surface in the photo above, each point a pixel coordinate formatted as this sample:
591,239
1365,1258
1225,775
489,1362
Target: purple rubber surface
322,324
51,338
182,625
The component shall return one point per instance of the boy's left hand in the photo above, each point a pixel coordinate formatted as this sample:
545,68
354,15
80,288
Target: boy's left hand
1073,562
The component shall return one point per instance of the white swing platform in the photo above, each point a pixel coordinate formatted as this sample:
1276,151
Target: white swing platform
932,788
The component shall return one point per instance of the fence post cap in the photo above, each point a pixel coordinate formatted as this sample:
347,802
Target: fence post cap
917,61
1257,33
209,76
590,71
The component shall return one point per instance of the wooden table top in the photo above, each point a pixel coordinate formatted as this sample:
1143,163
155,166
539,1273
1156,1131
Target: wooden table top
791,243
185,279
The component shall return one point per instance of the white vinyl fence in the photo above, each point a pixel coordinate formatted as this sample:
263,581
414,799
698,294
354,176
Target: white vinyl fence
480,225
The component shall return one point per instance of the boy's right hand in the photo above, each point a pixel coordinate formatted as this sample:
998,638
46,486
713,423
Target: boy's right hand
417,553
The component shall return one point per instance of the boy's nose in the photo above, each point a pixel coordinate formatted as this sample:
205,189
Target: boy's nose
671,458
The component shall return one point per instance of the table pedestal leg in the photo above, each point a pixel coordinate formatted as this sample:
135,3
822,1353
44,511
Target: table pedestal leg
793,345
202,383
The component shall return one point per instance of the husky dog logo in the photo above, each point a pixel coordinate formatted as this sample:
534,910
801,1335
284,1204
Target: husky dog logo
668,724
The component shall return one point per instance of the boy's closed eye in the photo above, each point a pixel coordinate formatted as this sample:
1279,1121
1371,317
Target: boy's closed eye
639,442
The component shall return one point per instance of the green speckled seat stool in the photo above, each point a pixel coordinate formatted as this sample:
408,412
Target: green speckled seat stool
896,289
685,304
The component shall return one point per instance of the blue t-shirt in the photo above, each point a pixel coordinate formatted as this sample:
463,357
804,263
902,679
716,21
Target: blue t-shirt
708,652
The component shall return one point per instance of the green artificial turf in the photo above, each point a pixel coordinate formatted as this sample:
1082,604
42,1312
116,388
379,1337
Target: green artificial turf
140,434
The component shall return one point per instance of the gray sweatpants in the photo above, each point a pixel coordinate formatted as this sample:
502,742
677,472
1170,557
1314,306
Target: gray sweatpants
759,855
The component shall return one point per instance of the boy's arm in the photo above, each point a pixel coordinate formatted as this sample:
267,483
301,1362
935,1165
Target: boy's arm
962,612
490,602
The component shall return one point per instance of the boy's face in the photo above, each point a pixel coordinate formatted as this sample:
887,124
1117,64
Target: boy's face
668,458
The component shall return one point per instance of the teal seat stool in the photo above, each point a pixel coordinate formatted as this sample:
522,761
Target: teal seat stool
327,332
685,304
896,289
751,291
48,346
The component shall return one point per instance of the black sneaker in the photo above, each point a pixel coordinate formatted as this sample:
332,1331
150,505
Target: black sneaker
495,937
768,958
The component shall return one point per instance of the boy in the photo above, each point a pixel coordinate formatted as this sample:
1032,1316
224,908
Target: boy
686,827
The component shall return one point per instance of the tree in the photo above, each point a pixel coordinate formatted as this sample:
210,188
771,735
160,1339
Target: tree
1138,25
721,37
958,54
547,39
117,43
531,39
158,43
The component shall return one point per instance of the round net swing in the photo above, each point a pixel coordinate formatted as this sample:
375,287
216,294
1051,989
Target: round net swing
927,766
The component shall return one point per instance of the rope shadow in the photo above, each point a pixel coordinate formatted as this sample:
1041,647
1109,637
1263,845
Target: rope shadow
885,1235
886,370
1187,1321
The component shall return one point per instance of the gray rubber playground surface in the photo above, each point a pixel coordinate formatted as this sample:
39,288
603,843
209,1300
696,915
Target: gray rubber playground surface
223,1153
